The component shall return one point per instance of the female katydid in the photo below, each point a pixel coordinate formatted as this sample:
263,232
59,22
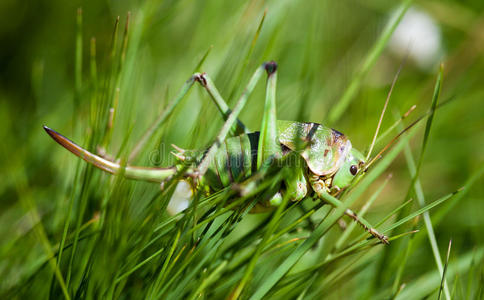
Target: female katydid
323,159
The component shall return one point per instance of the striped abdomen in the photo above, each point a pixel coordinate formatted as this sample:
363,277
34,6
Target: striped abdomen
235,160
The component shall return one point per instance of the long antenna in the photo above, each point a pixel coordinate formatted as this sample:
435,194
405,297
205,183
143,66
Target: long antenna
406,129
392,141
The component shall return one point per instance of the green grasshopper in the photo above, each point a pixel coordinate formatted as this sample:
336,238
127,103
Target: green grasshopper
322,160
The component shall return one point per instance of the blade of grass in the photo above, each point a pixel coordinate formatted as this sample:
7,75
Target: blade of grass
248,55
421,211
336,276
161,119
390,254
393,212
396,123
401,267
202,60
309,283
423,285
82,199
126,274
162,274
395,225
68,217
212,245
370,60
445,270
385,108
93,63
415,184
209,280
27,200
78,61
117,76
269,231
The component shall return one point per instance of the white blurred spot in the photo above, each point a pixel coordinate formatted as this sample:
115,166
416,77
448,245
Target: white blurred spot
420,35
180,199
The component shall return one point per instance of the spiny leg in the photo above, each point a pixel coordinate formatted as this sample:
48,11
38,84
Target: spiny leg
363,223
319,186
222,106
206,82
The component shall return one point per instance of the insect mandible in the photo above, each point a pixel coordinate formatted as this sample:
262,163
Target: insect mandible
323,159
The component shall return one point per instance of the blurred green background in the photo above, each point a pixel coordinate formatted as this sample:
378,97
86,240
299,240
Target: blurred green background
320,46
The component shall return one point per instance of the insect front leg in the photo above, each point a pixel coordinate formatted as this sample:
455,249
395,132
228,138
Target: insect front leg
297,185
383,238
320,186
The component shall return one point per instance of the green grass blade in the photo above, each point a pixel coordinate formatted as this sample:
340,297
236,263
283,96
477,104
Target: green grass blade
397,282
425,284
445,271
271,227
416,183
161,119
370,60
78,62
248,55
420,211
126,274
209,280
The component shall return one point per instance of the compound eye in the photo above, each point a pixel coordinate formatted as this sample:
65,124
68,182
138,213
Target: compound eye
353,170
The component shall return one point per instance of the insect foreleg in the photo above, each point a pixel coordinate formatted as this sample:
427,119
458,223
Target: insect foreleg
320,186
297,185
367,226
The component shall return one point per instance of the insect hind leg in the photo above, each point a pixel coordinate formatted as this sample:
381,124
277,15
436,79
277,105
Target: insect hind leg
207,83
269,145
